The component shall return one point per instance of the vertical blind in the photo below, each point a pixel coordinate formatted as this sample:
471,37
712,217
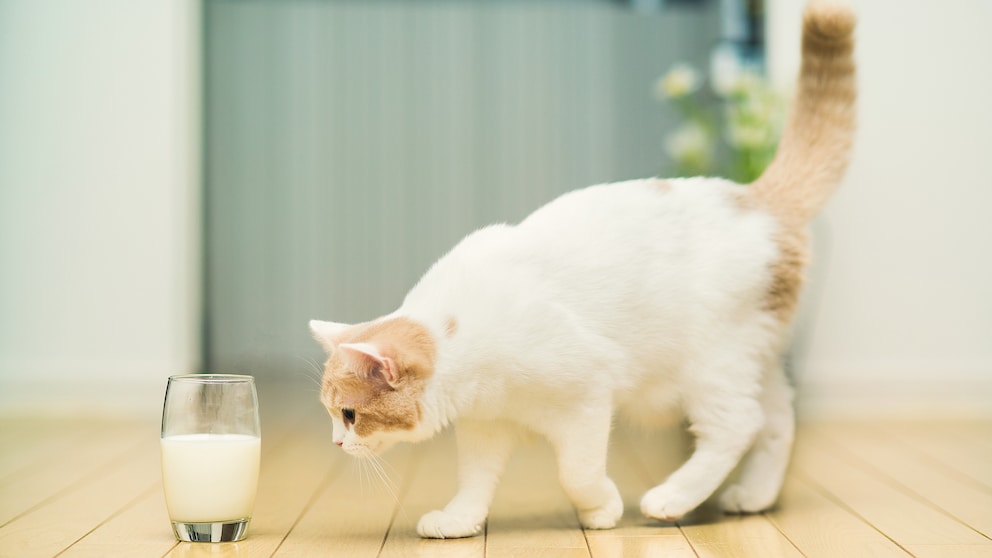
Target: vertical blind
350,144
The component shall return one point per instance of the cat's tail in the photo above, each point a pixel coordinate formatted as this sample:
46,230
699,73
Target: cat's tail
819,132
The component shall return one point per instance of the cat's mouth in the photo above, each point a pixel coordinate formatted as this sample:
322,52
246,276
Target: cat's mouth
363,451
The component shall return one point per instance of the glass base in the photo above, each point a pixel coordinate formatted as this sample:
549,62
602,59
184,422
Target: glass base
221,531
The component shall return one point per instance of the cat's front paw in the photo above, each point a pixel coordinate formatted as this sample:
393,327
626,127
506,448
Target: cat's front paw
443,525
666,503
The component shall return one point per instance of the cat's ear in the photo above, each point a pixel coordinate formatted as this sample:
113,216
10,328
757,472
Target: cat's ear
328,334
367,360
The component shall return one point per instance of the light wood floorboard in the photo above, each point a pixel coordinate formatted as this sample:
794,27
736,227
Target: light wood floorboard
956,446
81,489
822,528
889,508
935,485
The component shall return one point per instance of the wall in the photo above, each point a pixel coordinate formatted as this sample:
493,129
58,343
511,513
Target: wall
903,284
99,218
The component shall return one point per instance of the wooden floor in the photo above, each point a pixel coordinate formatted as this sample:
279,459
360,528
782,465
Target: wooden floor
76,488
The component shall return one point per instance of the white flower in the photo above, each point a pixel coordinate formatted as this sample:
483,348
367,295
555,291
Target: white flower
688,143
744,136
681,80
747,82
725,70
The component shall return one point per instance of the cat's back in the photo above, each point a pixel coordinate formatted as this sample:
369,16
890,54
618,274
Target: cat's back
645,203
612,251
695,226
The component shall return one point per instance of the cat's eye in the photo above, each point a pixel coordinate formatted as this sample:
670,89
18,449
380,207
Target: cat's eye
348,415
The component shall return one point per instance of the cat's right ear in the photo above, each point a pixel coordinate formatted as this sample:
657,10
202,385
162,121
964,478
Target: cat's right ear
328,334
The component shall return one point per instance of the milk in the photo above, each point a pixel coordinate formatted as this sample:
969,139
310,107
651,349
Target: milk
210,477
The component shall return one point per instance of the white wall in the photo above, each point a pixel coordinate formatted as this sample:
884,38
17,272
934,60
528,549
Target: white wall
99,217
904,271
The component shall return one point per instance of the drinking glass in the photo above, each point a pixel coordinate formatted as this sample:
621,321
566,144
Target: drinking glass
211,441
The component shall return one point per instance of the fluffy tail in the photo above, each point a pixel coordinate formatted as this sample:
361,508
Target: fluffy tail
817,138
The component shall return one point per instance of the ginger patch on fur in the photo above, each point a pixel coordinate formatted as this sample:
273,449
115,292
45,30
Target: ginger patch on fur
787,274
377,404
662,186
450,327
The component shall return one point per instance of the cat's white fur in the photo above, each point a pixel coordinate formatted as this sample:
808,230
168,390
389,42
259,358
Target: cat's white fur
575,313
636,298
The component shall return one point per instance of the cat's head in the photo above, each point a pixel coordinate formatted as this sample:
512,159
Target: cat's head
374,379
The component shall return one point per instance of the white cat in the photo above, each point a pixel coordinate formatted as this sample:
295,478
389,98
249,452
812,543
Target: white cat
638,298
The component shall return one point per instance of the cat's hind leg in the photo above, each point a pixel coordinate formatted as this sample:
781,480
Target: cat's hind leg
483,449
581,441
763,468
721,403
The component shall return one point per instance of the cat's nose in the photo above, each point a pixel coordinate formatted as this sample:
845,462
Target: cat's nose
339,443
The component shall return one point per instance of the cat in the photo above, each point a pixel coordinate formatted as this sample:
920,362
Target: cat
634,298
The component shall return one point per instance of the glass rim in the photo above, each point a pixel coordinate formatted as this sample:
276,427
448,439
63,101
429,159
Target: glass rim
212,378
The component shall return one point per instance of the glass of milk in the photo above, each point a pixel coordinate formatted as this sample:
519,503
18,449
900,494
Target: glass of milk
211,441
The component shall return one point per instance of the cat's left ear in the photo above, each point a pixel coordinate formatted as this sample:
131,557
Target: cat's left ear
367,360
328,334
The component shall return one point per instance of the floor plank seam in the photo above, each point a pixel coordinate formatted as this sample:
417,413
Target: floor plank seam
936,462
141,495
585,537
688,540
171,550
80,483
867,467
803,477
324,484
638,464
409,475
775,525
55,451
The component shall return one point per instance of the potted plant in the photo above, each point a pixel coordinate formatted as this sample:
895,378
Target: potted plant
730,131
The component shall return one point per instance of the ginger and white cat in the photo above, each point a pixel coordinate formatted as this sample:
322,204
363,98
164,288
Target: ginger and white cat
636,298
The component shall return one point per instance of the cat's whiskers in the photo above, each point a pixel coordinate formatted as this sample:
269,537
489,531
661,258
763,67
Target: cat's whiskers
378,467
359,465
313,372
386,465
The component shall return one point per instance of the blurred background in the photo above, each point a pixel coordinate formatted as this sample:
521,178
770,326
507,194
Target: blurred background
185,183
